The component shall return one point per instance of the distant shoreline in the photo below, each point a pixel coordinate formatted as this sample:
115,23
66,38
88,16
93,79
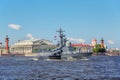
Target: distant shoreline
107,54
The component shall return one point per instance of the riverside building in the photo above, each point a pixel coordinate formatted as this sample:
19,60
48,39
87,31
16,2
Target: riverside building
31,46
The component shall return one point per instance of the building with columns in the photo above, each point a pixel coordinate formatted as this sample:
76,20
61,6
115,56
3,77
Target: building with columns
31,46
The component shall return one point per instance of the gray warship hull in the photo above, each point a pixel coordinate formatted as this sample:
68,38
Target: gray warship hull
76,55
73,56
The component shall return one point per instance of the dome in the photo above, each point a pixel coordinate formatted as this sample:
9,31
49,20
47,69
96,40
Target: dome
94,39
94,42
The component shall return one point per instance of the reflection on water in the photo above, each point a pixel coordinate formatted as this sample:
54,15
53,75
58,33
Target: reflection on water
95,67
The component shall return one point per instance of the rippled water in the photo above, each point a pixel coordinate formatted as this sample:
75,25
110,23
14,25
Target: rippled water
93,68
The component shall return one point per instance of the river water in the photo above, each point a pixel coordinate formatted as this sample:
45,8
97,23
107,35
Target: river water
93,68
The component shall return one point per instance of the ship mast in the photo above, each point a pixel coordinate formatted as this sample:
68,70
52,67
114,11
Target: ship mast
61,35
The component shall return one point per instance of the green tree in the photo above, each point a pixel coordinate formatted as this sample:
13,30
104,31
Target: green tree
98,49
102,50
74,48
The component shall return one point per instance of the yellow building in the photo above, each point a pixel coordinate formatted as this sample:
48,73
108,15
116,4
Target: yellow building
94,42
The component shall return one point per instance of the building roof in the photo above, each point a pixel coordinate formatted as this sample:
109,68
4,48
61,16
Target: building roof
94,39
81,45
33,42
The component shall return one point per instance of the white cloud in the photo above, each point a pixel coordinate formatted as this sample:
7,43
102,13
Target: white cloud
76,40
30,36
15,26
110,42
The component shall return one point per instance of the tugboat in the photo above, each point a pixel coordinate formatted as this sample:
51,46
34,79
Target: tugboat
65,50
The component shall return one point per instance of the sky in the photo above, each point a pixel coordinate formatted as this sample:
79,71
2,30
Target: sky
82,20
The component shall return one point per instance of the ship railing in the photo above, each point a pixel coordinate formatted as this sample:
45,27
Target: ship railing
45,53
74,52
